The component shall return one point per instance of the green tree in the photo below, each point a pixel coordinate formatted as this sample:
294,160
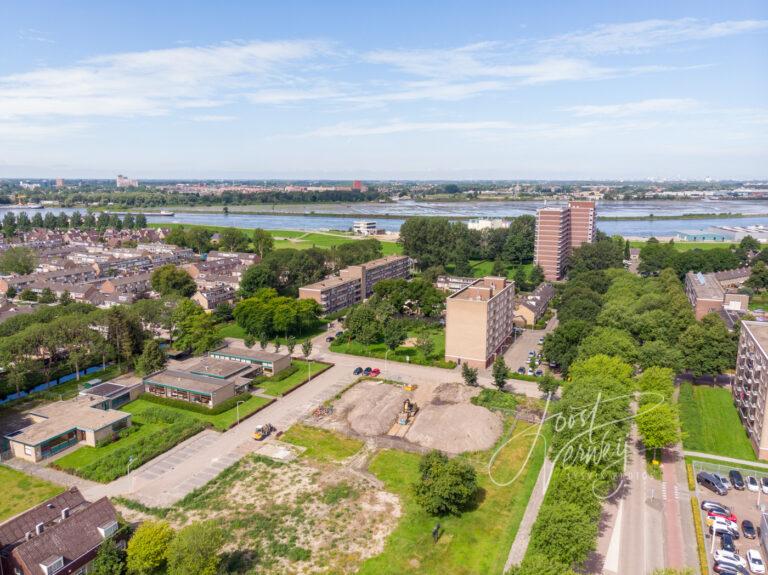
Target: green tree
195,549
445,486
263,341
750,244
263,242
758,278
110,560
499,268
394,334
536,277
609,341
426,345
548,384
27,295
223,312
469,374
521,236
148,547
46,296
234,240
658,425
499,372
564,534
11,293
306,348
152,359
65,298
708,347
18,260
168,280
539,565
290,344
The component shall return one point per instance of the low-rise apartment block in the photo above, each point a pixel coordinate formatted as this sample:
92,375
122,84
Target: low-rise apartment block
717,292
209,297
60,536
479,321
531,307
750,385
355,283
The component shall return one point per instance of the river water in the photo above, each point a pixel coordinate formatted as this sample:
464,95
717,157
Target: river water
297,217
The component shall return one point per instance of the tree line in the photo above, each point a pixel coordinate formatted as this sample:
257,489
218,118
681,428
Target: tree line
13,224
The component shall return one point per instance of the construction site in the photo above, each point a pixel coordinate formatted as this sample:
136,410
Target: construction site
415,418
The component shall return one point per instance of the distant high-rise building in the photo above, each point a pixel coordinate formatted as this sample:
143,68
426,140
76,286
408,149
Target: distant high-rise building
59,183
357,185
558,231
125,182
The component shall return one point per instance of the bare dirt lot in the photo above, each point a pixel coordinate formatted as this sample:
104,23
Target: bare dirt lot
292,518
445,420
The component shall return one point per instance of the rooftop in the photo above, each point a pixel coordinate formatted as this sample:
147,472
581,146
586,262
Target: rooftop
759,331
241,351
15,529
188,381
705,286
63,416
220,368
330,282
484,289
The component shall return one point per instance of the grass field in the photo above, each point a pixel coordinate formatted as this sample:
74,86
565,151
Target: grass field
711,424
476,542
300,240
682,246
21,491
221,422
759,301
321,444
401,354
306,368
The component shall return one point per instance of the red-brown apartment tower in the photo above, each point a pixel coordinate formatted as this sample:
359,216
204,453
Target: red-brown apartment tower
558,231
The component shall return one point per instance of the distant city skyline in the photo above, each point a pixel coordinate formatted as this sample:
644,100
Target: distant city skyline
438,90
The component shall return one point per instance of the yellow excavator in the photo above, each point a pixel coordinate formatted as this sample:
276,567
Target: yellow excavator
263,431
409,410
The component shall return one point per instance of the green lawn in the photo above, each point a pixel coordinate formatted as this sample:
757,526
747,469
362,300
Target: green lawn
759,301
683,246
21,491
221,421
281,387
711,424
401,354
476,542
482,268
321,444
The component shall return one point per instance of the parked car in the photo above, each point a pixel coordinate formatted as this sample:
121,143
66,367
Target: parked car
752,484
711,482
358,371
521,370
708,505
728,568
726,543
728,516
538,373
552,365
375,371
720,526
339,333
748,529
732,523
721,556
755,561
531,353
724,481
764,484
530,371
329,339
736,479
367,371
541,340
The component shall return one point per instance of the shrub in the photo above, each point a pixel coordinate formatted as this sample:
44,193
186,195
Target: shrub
495,399
700,544
446,485
225,405
147,548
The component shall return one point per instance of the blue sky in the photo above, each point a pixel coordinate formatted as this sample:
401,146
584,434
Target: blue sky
410,90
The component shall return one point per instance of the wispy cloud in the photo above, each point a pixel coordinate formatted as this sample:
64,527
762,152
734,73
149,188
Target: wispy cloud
642,36
214,118
625,109
154,82
34,35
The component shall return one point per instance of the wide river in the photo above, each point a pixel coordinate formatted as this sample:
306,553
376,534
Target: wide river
392,215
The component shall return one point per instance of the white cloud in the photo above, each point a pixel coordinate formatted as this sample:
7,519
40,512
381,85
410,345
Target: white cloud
655,105
154,82
33,35
214,118
641,36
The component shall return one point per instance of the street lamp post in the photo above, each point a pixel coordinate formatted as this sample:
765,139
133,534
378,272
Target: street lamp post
237,409
386,372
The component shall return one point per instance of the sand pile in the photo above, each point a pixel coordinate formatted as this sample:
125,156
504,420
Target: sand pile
371,408
455,427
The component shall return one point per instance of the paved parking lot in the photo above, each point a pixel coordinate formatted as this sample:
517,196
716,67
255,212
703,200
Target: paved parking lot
744,504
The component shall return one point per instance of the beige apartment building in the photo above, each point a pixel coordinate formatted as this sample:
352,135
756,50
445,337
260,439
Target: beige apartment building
559,229
750,385
717,292
355,283
479,321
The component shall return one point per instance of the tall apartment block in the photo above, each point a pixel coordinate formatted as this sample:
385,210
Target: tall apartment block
558,231
750,385
355,283
478,323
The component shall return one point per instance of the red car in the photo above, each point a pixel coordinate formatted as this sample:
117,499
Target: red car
375,371
730,517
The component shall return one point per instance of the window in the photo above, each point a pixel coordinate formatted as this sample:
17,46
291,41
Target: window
28,450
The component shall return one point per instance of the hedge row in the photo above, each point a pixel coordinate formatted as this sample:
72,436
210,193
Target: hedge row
700,544
287,372
225,405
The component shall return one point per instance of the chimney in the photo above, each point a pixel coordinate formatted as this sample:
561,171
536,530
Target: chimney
65,513
39,528
27,536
